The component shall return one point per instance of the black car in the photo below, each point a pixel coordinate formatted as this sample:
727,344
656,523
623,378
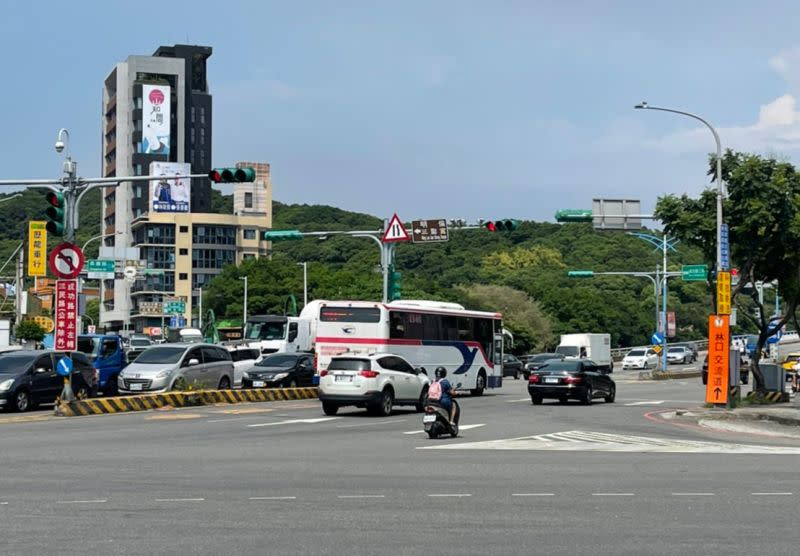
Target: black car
537,360
582,380
511,366
28,378
280,370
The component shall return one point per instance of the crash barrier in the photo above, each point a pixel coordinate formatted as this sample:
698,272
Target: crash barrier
772,397
145,402
618,354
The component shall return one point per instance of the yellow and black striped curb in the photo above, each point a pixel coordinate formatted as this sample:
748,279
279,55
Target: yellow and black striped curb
144,402
773,397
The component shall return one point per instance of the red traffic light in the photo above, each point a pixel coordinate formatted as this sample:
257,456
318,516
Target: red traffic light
55,198
215,176
491,226
734,272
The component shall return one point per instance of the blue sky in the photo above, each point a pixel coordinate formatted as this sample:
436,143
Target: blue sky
428,108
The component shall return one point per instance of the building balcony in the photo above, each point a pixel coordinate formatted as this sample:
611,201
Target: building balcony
111,105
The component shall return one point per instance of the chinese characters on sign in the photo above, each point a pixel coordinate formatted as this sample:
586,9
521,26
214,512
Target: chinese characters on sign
66,315
37,248
428,230
718,349
724,293
156,119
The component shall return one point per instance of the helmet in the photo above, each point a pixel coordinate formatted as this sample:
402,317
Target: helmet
441,372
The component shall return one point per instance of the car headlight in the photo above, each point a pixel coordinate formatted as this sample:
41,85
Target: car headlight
280,376
163,374
6,384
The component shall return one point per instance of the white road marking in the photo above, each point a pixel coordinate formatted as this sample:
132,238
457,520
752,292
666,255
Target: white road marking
449,495
588,441
180,499
273,498
532,494
372,424
693,494
517,401
295,421
652,402
3,503
612,494
100,501
460,428
362,496
761,494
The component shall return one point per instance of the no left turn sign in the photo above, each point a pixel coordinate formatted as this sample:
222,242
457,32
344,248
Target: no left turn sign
66,261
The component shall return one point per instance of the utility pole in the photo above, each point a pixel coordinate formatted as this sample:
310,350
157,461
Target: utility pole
244,317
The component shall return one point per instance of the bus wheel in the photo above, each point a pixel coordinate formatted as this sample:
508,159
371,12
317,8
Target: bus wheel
480,385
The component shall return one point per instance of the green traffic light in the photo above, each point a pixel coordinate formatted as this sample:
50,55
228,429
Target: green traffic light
573,215
394,290
507,225
580,273
283,235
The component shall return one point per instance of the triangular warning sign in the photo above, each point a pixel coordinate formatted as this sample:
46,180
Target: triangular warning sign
395,231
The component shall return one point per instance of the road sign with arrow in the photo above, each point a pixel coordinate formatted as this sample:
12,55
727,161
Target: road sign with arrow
718,359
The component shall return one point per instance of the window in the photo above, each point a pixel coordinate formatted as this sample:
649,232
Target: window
191,354
184,229
202,115
192,114
248,200
212,355
183,251
248,256
212,258
109,347
249,233
183,276
214,235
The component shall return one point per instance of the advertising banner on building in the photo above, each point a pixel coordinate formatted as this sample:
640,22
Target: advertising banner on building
37,248
171,195
155,119
66,312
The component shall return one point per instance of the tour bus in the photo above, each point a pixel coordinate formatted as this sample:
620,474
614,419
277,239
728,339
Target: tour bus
429,334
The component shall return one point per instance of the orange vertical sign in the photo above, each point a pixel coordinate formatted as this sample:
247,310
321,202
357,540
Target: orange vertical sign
719,342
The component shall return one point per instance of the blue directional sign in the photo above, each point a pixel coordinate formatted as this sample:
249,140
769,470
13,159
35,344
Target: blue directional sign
657,338
775,338
725,252
64,366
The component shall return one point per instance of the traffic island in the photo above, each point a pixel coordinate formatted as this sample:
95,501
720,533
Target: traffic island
146,402
668,375
770,420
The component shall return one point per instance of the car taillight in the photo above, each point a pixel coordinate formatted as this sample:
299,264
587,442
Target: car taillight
369,374
534,379
573,379
323,373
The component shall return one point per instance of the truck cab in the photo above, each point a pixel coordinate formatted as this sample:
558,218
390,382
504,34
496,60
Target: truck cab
278,334
107,355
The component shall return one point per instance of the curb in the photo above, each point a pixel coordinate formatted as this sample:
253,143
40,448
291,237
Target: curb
146,402
649,375
774,397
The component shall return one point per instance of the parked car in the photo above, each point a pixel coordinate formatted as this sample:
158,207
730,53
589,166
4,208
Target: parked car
535,361
280,369
28,378
377,382
640,358
511,366
577,379
680,354
243,359
169,366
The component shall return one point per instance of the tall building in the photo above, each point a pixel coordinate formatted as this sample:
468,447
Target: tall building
157,120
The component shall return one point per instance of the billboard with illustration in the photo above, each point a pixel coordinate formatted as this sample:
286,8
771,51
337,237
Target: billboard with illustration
170,195
155,119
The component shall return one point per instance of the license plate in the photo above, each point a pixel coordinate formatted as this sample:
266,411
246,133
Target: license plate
549,380
136,386
258,384
429,418
344,378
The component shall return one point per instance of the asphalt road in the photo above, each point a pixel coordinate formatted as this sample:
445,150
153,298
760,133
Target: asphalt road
283,478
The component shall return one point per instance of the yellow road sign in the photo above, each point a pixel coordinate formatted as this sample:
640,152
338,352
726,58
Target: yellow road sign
724,293
37,248
46,323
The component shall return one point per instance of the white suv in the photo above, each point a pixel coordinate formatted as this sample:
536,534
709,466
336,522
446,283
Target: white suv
377,382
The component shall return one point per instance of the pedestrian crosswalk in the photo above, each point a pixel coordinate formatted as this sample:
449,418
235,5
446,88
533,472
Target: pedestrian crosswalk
588,441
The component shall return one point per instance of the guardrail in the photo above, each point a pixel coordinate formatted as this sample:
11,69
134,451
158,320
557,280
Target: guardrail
617,354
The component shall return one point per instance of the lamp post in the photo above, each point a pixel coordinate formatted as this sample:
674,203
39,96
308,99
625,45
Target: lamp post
305,282
244,319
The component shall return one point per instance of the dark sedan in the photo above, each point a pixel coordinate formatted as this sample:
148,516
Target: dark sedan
280,370
511,366
537,360
28,378
582,380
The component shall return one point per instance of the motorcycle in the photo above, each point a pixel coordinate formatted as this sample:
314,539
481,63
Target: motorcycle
436,420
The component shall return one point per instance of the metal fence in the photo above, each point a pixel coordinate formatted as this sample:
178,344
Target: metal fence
617,354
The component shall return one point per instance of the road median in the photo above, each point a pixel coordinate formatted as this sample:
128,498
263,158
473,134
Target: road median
146,402
669,375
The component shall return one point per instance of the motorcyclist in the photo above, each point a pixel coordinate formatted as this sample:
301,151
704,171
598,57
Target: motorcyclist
446,401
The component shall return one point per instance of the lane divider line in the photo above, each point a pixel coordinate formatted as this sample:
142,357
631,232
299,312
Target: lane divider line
532,494
294,422
99,501
180,499
613,494
693,494
273,498
361,496
449,495
771,494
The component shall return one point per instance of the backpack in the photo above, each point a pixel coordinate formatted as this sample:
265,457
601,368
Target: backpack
435,391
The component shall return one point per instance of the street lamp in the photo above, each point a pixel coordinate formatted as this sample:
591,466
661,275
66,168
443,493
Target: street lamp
244,319
305,282
645,106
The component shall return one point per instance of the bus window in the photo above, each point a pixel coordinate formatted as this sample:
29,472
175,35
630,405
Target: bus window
465,329
449,328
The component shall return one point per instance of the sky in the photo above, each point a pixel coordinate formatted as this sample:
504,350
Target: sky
430,109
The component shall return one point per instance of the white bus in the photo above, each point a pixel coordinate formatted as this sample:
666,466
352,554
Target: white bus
429,334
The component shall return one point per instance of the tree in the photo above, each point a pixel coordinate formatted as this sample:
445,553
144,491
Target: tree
763,215
29,330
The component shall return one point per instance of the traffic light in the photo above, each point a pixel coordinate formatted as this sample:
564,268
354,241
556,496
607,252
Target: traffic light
282,235
232,175
580,273
505,225
394,284
573,215
56,213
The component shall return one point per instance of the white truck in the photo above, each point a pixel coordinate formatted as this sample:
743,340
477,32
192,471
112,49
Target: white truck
596,347
279,334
